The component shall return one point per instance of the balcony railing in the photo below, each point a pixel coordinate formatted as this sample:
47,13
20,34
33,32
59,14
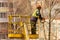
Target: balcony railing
4,9
3,20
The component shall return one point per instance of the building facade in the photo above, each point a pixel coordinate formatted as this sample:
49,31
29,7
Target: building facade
4,12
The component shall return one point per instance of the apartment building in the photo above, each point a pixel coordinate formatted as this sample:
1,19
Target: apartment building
4,12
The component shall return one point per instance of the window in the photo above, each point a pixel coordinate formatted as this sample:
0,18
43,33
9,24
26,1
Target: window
11,5
3,15
3,4
0,4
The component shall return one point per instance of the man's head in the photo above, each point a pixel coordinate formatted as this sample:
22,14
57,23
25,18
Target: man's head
38,7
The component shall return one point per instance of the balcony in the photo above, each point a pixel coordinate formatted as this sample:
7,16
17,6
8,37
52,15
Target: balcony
3,1
3,20
4,9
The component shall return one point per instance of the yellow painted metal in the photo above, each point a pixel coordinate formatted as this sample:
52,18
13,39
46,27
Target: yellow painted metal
33,36
21,24
10,17
11,31
25,32
12,35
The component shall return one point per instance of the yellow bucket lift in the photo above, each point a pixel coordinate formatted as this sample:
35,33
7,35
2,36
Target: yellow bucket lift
14,27
18,29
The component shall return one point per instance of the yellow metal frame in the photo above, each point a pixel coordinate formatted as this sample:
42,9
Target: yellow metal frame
12,35
34,36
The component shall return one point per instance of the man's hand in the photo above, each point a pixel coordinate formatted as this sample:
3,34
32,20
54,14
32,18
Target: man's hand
43,20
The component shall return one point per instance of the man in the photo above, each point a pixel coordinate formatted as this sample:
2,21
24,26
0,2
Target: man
34,19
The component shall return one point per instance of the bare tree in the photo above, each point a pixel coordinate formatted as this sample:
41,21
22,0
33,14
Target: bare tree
50,4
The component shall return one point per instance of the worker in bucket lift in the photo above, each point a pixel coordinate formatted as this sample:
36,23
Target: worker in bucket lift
36,14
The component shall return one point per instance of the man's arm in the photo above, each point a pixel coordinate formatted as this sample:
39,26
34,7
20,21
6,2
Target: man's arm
41,18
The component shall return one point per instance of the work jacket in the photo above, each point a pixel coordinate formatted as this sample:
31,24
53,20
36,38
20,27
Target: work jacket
36,13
